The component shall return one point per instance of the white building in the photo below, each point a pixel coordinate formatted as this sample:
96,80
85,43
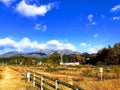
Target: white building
70,63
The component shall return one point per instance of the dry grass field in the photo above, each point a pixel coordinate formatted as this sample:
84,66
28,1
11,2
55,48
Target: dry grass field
86,77
12,80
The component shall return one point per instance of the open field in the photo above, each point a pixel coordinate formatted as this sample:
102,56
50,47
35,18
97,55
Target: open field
86,77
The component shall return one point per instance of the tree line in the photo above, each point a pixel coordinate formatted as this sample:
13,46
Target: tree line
107,56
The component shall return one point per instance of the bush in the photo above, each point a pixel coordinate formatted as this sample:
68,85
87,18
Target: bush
117,70
86,73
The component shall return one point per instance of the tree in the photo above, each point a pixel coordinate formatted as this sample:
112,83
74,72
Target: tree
117,51
80,59
91,59
109,55
55,57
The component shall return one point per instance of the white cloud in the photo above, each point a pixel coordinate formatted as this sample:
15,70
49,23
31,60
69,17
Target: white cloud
44,28
94,49
26,45
33,10
116,18
90,17
7,2
84,47
91,21
37,26
83,44
102,16
115,8
95,35
40,27
56,45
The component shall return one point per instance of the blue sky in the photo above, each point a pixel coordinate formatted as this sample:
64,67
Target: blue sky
81,25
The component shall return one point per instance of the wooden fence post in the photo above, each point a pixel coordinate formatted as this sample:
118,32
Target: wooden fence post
41,82
56,84
101,73
28,76
34,79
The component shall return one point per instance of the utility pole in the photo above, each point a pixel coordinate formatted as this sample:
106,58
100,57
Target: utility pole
61,62
16,61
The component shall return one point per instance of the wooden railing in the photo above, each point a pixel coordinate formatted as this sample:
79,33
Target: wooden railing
45,82
48,83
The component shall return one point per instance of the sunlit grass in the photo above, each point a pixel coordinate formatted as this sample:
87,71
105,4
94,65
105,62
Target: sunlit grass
12,80
86,77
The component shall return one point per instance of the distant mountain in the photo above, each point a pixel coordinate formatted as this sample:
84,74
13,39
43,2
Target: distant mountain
11,53
68,52
85,54
45,51
39,53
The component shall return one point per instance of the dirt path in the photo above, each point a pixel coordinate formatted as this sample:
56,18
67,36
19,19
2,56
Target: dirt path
11,80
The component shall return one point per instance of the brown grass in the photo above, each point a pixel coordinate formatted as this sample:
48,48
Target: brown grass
86,77
12,80
100,85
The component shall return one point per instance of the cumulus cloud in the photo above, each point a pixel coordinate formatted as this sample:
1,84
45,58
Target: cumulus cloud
91,21
33,10
56,45
40,27
7,42
26,45
84,47
7,2
115,8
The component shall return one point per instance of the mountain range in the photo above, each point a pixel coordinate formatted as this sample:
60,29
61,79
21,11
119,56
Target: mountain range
39,53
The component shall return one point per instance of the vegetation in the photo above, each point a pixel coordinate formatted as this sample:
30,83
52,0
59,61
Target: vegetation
105,56
87,77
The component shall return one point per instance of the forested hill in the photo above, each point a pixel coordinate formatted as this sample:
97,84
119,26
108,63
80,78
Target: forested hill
110,55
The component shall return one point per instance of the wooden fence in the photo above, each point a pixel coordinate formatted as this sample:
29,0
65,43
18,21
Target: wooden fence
45,82
48,83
